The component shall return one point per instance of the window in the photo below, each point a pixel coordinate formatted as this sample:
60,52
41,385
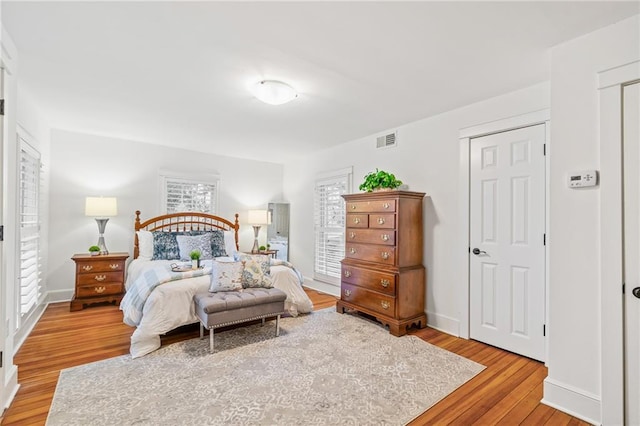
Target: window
329,222
29,232
190,195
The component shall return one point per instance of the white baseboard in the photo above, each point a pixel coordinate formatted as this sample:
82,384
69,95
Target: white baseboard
10,387
571,400
322,287
54,296
443,323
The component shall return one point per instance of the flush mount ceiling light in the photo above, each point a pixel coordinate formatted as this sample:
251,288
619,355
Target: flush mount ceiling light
273,92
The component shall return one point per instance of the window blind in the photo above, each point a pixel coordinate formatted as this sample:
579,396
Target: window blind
29,232
184,195
329,222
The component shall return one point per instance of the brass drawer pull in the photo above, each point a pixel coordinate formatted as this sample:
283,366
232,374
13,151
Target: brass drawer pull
385,304
353,206
386,205
87,268
347,273
385,255
352,250
352,235
114,266
356,220
381,220
99,289
347,293
385,237
100,277
384,283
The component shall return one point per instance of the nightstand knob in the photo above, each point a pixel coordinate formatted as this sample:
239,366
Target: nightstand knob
114,265
385,304
381,220
347,293
347,274
356,220
385,237
353,206
99,289
386,205
385,255
87,268
384,283
352,235
100,277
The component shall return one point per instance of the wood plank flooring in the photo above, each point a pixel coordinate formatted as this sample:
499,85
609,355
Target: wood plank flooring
507,392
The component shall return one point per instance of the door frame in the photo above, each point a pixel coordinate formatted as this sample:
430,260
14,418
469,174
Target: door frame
466,135
610,86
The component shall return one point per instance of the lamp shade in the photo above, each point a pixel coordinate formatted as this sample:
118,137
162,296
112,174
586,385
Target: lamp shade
259,217
101,206
273,92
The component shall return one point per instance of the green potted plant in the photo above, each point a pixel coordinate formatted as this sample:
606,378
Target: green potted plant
195,259
262,248
94,250
379,180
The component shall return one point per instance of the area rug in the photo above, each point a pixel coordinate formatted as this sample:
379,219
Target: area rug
325,368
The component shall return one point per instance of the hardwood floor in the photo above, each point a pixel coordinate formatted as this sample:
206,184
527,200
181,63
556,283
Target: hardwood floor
507,392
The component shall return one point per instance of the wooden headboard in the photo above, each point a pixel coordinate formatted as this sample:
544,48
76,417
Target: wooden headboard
183,222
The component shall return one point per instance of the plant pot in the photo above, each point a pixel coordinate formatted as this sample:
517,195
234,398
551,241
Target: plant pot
195,263
94,253
382,189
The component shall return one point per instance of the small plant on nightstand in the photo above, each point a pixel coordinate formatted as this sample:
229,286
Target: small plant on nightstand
94,250
262,248
195,259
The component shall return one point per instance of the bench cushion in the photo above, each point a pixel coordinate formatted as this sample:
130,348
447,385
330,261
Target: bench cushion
216,309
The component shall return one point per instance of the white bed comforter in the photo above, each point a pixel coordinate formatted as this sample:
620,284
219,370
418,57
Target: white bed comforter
170,305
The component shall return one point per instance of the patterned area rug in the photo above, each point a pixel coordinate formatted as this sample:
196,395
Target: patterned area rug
325,368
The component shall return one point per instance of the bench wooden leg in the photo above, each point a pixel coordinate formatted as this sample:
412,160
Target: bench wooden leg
211,340
263,322
277,325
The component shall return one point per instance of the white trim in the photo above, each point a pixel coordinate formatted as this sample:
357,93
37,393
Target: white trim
443,323
11,383
55,296
571,400
525,120
321,287
611,302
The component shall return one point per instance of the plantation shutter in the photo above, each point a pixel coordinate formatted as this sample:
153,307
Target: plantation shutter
29,232
184,195
329,222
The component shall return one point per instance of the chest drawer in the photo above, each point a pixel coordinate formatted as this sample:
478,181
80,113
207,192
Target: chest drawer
357,220
371,206
99,277
372,236
371,253
382,221
99,266
98,289
371,279
378,302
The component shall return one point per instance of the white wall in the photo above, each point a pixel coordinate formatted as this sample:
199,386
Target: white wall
427,159
87,165
574,336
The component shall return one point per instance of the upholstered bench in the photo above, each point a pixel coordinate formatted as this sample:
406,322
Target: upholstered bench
220,309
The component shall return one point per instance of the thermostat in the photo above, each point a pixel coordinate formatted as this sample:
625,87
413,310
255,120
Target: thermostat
583,179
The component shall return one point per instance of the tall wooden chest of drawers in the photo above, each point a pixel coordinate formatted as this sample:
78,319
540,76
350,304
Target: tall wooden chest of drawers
382,272
98,279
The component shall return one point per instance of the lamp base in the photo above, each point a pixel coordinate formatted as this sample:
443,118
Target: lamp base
256,246
102,223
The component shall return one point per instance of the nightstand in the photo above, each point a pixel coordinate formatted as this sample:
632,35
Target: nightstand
272,253
98,279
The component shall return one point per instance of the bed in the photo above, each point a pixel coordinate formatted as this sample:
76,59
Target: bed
159,300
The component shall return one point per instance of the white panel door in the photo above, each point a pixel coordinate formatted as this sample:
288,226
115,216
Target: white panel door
507,225
631,149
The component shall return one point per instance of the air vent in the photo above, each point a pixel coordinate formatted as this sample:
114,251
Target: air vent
387,141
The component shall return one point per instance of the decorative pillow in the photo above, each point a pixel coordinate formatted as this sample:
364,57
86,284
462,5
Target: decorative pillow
165,246
230,243
226,276
256,270
145,245
188,243
218,243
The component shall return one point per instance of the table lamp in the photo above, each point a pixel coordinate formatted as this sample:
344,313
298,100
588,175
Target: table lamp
257,218
101,208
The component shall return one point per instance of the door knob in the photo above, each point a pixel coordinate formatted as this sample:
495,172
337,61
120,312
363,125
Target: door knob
636,292
477,251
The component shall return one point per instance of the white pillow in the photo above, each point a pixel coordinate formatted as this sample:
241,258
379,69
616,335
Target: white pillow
226,276
188,243
230,243
145,245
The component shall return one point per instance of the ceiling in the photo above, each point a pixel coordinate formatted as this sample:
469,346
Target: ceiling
176,73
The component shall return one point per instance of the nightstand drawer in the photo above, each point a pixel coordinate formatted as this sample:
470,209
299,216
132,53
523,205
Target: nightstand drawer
371,206
101,289
99,266
99,278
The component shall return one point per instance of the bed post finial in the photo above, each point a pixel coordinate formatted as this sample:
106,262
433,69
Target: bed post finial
237,226
137,228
